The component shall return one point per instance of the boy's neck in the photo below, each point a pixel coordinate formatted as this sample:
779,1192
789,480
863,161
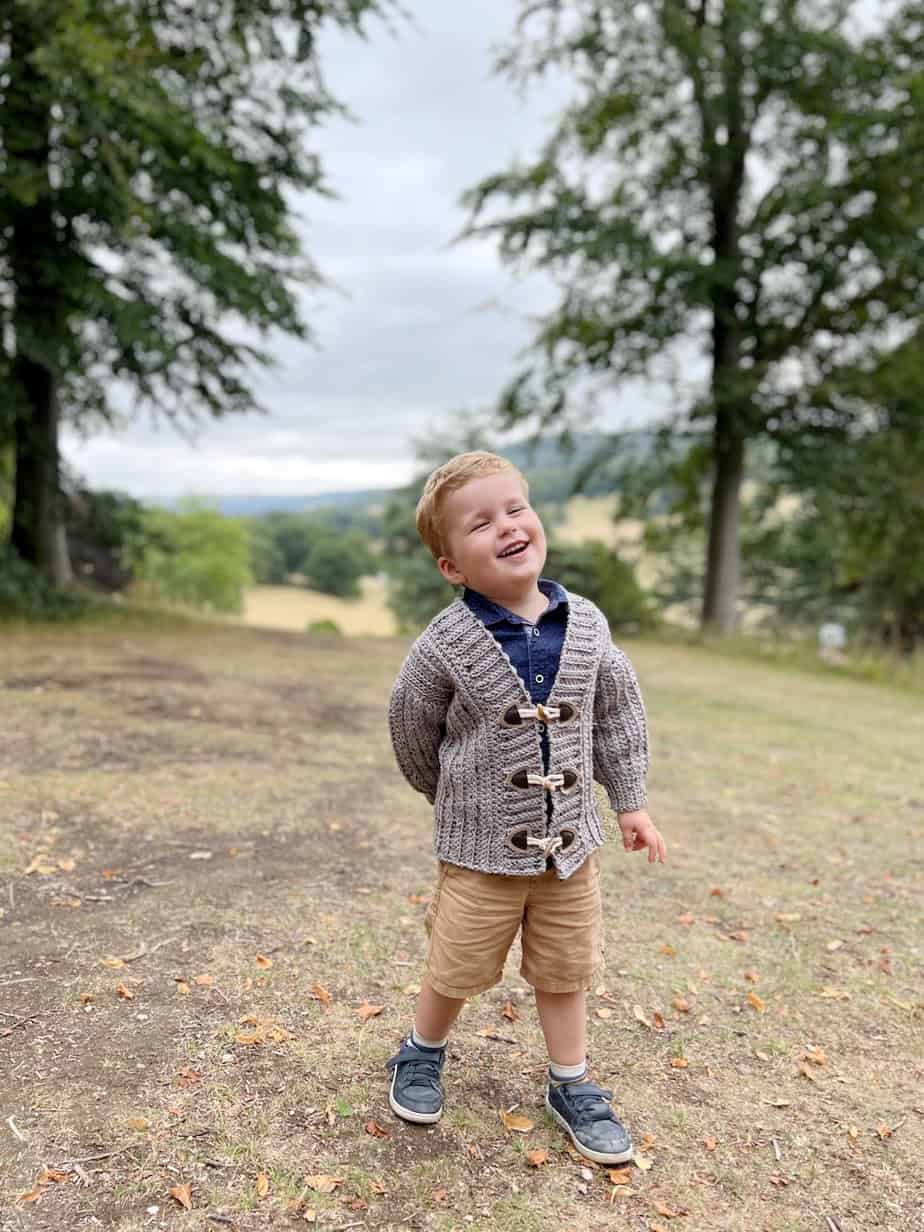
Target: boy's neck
529,603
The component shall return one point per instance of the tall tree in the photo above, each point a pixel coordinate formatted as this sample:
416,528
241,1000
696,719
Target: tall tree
149,153
734,188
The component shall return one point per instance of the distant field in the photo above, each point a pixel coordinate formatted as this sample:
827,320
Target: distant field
291,607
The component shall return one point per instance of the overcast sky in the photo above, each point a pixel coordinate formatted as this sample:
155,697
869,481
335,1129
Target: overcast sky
419,329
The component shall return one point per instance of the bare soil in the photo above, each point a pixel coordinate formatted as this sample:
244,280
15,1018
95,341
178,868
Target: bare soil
209,863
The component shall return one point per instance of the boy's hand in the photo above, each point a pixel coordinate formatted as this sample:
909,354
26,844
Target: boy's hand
639,832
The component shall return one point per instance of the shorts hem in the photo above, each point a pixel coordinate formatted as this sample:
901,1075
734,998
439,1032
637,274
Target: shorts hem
458,993
578,983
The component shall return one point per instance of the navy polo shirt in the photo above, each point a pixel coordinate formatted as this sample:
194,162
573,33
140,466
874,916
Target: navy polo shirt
533,649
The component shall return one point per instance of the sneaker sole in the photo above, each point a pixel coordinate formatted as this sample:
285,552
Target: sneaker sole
408,1114
599,1157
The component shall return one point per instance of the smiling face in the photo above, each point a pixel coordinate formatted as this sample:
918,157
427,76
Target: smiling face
492,537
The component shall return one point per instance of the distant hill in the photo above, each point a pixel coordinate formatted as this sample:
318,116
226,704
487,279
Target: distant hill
550,470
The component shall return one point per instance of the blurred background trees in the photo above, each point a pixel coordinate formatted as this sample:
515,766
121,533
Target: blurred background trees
731,202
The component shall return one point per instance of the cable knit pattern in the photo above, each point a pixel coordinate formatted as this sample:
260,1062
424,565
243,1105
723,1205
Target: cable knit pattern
451,743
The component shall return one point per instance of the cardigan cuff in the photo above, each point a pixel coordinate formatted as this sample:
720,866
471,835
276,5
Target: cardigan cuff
627,797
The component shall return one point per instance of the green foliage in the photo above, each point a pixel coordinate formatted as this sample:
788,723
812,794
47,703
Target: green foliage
178,140
267,559
324,628
105,532
735,179
195,557
335,563
6,491
26,595
594,570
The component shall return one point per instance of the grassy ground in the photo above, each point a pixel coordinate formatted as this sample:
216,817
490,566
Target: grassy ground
212,877
294,607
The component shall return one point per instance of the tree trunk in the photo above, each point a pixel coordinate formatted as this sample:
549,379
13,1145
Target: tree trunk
723,560
39,309
38,534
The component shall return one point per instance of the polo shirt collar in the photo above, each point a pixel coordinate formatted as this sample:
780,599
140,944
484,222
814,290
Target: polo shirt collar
491,613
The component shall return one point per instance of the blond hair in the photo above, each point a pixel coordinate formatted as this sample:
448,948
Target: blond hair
449,477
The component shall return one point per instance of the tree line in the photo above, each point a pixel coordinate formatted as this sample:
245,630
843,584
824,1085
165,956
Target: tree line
730,202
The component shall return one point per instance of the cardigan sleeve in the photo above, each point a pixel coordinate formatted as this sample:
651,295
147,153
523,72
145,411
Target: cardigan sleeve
417,719
620,733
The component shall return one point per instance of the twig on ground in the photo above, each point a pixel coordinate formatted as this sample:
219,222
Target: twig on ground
125,883
776,1149
145,950
12,1124
19,1023
833,1225
12,897
504,1039
220,1219
84,1178
220,993
68,1164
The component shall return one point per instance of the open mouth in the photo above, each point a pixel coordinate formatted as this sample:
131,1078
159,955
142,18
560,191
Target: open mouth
514,550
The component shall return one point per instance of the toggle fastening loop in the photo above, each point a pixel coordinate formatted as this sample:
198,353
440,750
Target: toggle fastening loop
546,845
545,714
548,781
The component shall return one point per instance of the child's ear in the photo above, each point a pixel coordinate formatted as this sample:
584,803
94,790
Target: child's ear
449,571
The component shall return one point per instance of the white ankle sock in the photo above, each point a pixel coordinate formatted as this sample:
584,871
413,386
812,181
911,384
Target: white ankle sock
425,1043
567,1073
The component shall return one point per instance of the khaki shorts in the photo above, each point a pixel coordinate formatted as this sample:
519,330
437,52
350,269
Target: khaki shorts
473,919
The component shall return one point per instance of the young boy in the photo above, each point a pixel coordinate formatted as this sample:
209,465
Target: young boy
508,706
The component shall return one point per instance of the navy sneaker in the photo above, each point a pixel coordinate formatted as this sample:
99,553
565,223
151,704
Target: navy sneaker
416,1092
583,1111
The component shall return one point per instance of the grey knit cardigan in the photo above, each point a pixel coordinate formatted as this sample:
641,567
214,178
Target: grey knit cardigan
460,738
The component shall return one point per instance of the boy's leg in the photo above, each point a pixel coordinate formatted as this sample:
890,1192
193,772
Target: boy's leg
563,1018
435,1015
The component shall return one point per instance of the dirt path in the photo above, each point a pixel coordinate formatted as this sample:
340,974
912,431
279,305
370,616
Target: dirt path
209,865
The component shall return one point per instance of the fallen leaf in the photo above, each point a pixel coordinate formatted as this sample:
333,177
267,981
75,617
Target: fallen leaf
378,1187
322,1183
788,917
679,1063
440,1194
603,1011
834,994
639,1015
667,1211
761,1056
667,949
710,1143
357,1204
752,977
67,865
510,1012
310,1215
620,1176
756,1003
687,919
418,899
537,1157
87,998
109,873
642,1162
647,1142
656,1227
518,1124
139,1123
658,1019
320,993
853,1133
204,981
188,1077
715,892
816,1056
183,1195
262,1185
113,962
884,1131
740,934
125,993
263,962
833,945
681,1004
367,1011
806,1072
376,1130
52,1174
182,987
31,1195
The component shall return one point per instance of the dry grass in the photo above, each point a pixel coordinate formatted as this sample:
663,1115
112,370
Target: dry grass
291,607
793,806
